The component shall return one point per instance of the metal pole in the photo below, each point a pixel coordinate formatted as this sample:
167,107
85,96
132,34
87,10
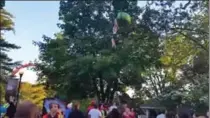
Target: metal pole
19,85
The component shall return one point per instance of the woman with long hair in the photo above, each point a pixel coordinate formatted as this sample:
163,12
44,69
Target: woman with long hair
27,110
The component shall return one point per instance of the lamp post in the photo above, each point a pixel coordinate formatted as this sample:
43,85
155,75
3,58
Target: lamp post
19,85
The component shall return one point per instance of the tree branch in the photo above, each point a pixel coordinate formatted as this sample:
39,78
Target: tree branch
192,39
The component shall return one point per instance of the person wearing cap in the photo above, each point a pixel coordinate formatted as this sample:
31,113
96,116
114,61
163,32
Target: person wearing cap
94,112
68,110
91,106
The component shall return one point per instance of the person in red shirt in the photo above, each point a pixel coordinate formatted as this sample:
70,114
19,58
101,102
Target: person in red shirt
133,114
54,111
91,106
127,113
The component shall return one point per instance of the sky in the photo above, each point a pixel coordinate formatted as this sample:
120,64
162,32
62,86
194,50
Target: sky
33,19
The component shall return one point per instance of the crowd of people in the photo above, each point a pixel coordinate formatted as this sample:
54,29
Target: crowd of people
29,110
93,111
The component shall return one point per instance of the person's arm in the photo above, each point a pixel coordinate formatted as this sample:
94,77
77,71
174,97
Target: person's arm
100,115
89,114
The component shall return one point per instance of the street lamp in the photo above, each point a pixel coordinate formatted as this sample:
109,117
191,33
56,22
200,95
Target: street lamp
19,85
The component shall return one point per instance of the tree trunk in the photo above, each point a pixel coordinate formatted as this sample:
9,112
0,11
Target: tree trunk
96,88
102,93
114,89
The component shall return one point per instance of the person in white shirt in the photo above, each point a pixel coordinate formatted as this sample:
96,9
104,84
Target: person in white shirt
94,113
161,115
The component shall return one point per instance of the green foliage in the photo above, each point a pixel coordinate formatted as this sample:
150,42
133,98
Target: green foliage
178,51
184,59
6,63
6,21
83,64
2,92
84,103
162,54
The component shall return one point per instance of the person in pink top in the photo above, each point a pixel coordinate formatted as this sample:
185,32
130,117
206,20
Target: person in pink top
133,114
127,113
91,106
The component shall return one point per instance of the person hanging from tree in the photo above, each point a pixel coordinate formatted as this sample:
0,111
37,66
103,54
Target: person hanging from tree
121,18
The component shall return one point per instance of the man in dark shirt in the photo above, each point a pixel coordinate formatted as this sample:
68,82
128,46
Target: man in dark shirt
11,110
10,113
76,113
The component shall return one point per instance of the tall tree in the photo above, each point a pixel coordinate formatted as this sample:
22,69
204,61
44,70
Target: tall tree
82,63
6,63
184,59
7,24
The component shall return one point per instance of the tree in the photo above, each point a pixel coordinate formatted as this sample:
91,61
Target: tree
178,51
81,63
6,63
181,79
187,19
6,21
33,93
7,24
185,61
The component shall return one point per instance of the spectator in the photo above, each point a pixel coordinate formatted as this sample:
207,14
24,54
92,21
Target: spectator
127,113
161,115
76,113
54,111
27,110
114,114
114,106
133,114
91,106
12,108
103,111
94,112
68,110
